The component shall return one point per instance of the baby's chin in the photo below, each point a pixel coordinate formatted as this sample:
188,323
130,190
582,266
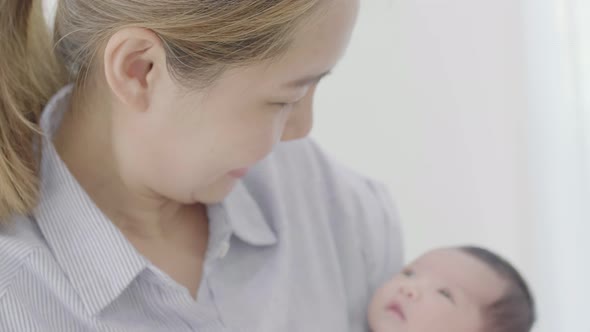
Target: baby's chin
383,321
386,327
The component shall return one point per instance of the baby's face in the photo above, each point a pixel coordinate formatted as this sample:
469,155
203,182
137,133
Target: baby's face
443,291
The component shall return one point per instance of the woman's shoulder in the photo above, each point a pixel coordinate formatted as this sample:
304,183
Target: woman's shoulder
359,211
302,166
304,160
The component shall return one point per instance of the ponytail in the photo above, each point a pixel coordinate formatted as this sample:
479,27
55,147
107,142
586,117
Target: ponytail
29,75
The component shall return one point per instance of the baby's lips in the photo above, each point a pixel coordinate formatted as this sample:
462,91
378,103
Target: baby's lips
397,310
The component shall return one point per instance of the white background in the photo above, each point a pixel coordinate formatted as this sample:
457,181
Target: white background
431,99
472,112
475,113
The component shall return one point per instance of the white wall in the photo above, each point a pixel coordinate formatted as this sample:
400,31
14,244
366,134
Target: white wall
433,99
50,6
557,39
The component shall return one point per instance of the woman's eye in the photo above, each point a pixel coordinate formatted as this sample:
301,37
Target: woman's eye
282,106
288,104
446,293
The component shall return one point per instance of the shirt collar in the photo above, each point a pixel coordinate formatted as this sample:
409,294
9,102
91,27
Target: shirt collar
95,255
243,216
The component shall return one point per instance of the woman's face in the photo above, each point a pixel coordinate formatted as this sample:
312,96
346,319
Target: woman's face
444,290
193,147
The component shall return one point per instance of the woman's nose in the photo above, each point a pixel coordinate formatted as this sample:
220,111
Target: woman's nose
300,120
298,126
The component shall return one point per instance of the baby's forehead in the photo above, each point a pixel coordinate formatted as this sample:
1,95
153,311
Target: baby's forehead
441,259
457,269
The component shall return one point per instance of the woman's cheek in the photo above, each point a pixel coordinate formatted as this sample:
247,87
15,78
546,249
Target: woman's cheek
261,145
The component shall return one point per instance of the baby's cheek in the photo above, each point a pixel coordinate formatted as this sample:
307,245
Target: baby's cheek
441,317
380,298
470,319
388,291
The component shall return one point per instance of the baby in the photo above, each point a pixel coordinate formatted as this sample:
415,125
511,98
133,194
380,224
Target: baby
464,289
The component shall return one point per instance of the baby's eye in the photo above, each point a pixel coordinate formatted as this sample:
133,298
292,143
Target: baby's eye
447,294
408,273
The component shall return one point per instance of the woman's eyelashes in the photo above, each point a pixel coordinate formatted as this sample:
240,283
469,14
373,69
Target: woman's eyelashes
282,105
287,104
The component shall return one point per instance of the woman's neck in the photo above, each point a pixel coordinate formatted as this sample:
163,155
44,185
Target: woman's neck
85,144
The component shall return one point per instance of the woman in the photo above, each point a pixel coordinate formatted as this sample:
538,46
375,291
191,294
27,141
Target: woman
172,187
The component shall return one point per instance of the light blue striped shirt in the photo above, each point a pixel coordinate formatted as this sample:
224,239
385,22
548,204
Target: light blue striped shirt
299,245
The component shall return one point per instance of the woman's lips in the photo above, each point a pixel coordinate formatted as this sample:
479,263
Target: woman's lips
239,173
397,310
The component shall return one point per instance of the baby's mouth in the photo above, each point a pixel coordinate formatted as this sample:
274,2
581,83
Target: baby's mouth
397,310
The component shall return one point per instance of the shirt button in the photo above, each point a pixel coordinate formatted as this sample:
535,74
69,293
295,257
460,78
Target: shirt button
224,249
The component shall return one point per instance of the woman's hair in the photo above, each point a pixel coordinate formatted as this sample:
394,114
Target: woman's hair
29,75
514,311
202,38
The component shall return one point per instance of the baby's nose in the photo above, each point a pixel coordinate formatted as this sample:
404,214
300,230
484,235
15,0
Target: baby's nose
409,291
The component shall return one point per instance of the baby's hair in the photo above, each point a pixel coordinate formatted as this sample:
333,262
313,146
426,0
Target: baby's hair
514,311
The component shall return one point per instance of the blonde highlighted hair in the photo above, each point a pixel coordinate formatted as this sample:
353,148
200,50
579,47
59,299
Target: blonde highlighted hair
202,38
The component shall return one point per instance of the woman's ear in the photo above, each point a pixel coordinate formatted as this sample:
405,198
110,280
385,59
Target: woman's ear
134,60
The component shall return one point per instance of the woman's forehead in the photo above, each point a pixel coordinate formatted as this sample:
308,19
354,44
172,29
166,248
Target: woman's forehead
319,43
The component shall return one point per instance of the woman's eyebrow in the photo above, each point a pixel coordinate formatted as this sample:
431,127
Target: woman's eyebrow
307,80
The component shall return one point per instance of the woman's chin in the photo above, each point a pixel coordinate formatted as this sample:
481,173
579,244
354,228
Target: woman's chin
216,192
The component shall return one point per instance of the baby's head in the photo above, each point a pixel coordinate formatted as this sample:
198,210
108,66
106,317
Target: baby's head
465,289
